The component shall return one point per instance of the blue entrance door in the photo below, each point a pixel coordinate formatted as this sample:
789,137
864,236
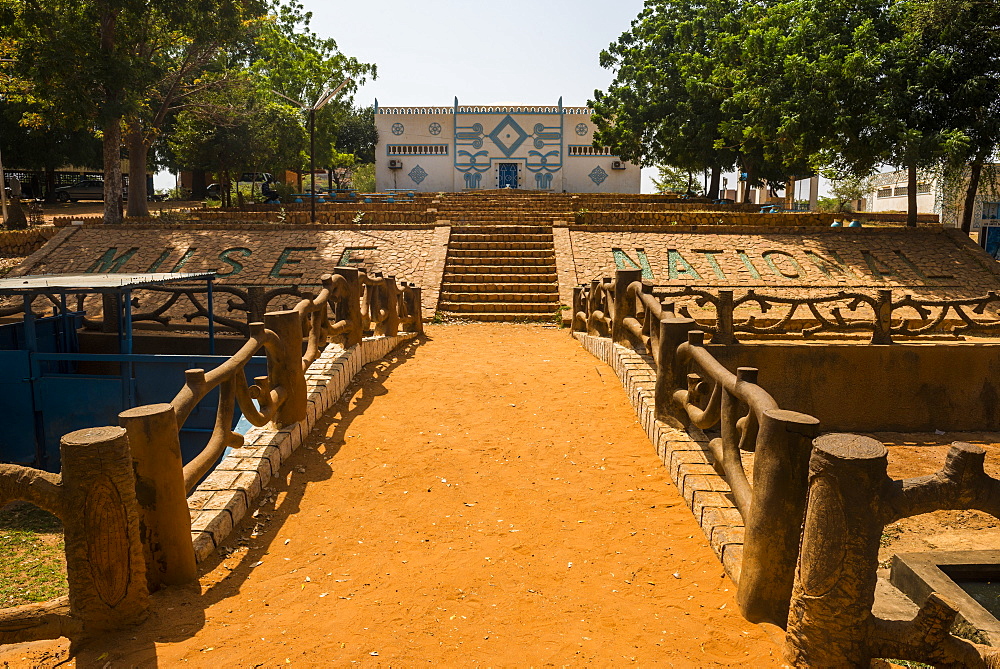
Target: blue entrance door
508,175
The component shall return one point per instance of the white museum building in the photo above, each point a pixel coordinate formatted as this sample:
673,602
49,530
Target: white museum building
445,149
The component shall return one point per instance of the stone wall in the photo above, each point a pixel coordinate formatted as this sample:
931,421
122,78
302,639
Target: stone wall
600,220
250,254
925,261
18,243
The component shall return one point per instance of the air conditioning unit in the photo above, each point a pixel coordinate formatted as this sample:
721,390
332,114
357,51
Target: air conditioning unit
395,164
617,164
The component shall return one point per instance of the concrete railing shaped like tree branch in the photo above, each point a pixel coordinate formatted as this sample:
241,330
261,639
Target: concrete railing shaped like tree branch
851,500
749,419
840,313
122,493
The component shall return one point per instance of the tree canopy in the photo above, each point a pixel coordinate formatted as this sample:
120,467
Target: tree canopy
783,88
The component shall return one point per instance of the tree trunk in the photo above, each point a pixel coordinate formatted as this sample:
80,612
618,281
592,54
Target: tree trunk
113,171
50,184
970,195
137,155
198,184
911,195
713,184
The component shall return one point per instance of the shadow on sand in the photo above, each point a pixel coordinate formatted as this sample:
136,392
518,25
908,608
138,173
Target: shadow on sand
178,613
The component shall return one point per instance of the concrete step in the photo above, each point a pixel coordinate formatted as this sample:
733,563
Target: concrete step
499,253
508,317
523,261
545,268
462,237
503,308
499,297
500,287
501,230
503,244
478,277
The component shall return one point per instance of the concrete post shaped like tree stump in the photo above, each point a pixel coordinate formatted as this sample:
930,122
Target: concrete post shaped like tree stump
104,561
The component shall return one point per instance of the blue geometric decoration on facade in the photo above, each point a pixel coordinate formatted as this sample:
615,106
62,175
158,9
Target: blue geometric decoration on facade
473,179
598,175
397,128
418,174
434,128
543,180
582,129
508,136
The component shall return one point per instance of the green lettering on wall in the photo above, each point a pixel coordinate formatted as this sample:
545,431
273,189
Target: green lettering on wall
873,264
286,259
621,258
184,258
108,262
712,262
236,265
749,265
769,258
674,258
828,266
347,259
159,261
909,263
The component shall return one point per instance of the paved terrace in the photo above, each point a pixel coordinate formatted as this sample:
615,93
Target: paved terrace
520,518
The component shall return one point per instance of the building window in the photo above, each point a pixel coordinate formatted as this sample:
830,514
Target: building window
923,188
416,149
901,191
991,210
885,192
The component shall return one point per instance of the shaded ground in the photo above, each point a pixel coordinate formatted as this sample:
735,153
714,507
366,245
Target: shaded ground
32,557
489,502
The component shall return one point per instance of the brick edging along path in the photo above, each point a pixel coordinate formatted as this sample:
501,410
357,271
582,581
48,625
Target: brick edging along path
684,453
221,500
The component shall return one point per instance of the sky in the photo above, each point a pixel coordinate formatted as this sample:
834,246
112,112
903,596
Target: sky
516,52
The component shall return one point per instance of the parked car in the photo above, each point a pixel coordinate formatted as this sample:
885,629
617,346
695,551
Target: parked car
250,178
85,189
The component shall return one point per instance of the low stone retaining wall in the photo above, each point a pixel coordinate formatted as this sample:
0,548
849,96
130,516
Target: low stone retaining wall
705,217
363,214
17,243
684,454
220,501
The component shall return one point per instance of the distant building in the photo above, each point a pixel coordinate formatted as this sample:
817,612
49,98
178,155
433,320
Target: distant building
933,197
435,149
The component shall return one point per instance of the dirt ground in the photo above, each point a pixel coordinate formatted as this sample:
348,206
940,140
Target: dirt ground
483,499
93,208
912,455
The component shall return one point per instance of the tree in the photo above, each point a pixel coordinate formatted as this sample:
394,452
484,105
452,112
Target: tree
673,180
664,105
95,63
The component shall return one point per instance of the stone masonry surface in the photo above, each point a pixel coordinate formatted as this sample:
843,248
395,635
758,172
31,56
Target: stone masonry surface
249,254
925,262
225,496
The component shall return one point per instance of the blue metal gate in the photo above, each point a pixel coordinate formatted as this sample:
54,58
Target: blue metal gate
507,175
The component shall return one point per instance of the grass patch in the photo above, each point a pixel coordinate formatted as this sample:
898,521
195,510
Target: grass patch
32,561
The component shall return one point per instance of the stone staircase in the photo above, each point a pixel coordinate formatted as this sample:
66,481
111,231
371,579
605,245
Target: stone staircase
501,269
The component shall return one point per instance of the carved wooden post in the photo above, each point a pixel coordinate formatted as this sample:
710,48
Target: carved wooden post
349,306
669,374
579,324
831,608
104,563
161,494
624,307
774,524
724,333
594,302
390,326
111,307
882,325
256,304
285,369
418,310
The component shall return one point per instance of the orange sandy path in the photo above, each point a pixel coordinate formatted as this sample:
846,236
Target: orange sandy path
483,499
